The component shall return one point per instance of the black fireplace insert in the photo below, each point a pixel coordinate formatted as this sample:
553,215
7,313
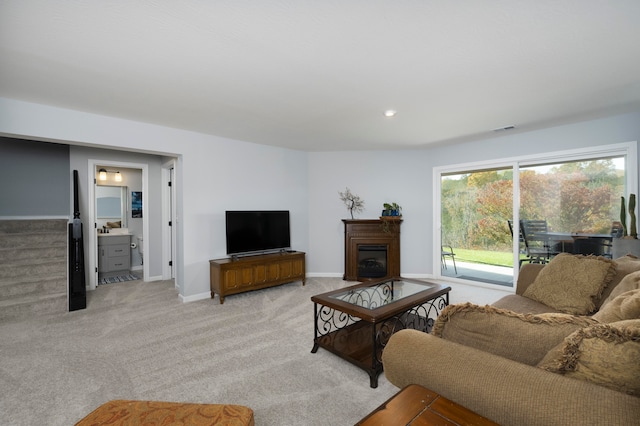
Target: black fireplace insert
372,261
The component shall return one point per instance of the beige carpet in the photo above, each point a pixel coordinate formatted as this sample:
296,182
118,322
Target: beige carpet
137,340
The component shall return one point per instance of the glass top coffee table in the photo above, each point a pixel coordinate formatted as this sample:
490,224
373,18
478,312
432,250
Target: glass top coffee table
356,322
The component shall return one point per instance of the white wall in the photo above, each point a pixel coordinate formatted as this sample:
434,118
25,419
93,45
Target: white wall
213,174
406,178
216,174
377,177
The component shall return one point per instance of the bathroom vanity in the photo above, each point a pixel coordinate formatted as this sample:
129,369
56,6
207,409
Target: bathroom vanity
114,254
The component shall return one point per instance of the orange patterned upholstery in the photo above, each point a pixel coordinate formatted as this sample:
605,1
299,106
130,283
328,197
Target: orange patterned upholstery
120,413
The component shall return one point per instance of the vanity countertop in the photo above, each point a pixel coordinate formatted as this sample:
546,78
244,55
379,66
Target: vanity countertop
112,234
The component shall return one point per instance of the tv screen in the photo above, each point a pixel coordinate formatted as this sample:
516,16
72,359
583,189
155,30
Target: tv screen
257,231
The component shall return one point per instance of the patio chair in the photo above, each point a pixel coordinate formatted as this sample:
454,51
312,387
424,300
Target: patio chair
536,246
536,240
447,251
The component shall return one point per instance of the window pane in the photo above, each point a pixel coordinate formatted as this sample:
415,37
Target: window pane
577,196
475,208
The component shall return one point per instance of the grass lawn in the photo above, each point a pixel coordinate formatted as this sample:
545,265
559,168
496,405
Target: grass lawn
488,257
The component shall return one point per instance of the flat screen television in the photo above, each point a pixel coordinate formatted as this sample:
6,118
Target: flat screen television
257,231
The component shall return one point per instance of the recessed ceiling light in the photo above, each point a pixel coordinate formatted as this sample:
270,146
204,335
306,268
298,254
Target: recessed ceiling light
390,113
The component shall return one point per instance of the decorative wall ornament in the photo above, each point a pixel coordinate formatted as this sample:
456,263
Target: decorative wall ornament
353,202
136,204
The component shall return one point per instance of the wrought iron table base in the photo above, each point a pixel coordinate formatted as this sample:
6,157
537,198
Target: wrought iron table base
361,342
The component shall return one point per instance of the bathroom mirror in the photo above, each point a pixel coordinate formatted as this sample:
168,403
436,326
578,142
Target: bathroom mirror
111,205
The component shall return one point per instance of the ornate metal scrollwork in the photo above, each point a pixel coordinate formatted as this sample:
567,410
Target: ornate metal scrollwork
370,297
330,320
421,317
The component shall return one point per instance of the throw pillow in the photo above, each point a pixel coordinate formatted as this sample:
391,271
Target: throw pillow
624,307
525,338
605,354
625,265
631,281
572,283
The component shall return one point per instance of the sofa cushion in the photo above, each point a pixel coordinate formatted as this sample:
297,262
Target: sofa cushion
625,265
522,305
624,307
572,283
521,337
605,354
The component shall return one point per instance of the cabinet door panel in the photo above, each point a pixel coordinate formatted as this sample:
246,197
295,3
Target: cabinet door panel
260,273
273,271
298,267
285,269
246,279
231,279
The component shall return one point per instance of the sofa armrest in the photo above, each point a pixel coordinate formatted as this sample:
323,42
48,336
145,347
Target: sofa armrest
505,391
527,275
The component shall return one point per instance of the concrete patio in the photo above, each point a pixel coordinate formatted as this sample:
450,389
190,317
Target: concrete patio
491,274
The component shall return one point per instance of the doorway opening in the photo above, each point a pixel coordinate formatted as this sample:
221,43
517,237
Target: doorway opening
117,221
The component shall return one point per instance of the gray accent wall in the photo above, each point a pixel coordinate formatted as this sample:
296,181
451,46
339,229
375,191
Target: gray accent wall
36,179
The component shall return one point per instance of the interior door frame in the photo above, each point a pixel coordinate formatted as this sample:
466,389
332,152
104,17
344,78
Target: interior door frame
169,263
90,232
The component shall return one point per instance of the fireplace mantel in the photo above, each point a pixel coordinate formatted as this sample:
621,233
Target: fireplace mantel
383,232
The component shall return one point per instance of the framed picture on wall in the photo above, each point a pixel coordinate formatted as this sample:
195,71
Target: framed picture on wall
136,204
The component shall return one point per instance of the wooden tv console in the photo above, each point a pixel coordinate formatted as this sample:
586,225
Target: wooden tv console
237,275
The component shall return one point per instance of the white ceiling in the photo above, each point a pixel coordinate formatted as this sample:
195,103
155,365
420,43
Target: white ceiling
317,75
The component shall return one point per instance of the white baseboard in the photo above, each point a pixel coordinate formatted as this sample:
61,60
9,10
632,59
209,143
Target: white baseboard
195,297
324,274
157,278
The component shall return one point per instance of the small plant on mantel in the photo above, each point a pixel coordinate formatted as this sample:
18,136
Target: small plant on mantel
391,209
390,215
353,202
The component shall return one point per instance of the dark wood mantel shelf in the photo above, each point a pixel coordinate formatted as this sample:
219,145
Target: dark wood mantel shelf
381,232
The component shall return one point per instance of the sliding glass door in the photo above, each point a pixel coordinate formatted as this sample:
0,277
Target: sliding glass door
567,202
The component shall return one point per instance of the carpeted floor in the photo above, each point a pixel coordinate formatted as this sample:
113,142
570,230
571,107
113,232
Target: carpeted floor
137,340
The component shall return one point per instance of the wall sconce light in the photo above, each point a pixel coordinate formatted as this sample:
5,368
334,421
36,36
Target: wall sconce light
102,175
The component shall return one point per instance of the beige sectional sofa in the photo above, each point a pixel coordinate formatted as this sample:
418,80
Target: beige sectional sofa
563,350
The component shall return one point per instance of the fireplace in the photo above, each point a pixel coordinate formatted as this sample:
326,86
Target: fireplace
372,261
372,249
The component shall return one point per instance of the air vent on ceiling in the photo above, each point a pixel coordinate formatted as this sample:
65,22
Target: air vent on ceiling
502,129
